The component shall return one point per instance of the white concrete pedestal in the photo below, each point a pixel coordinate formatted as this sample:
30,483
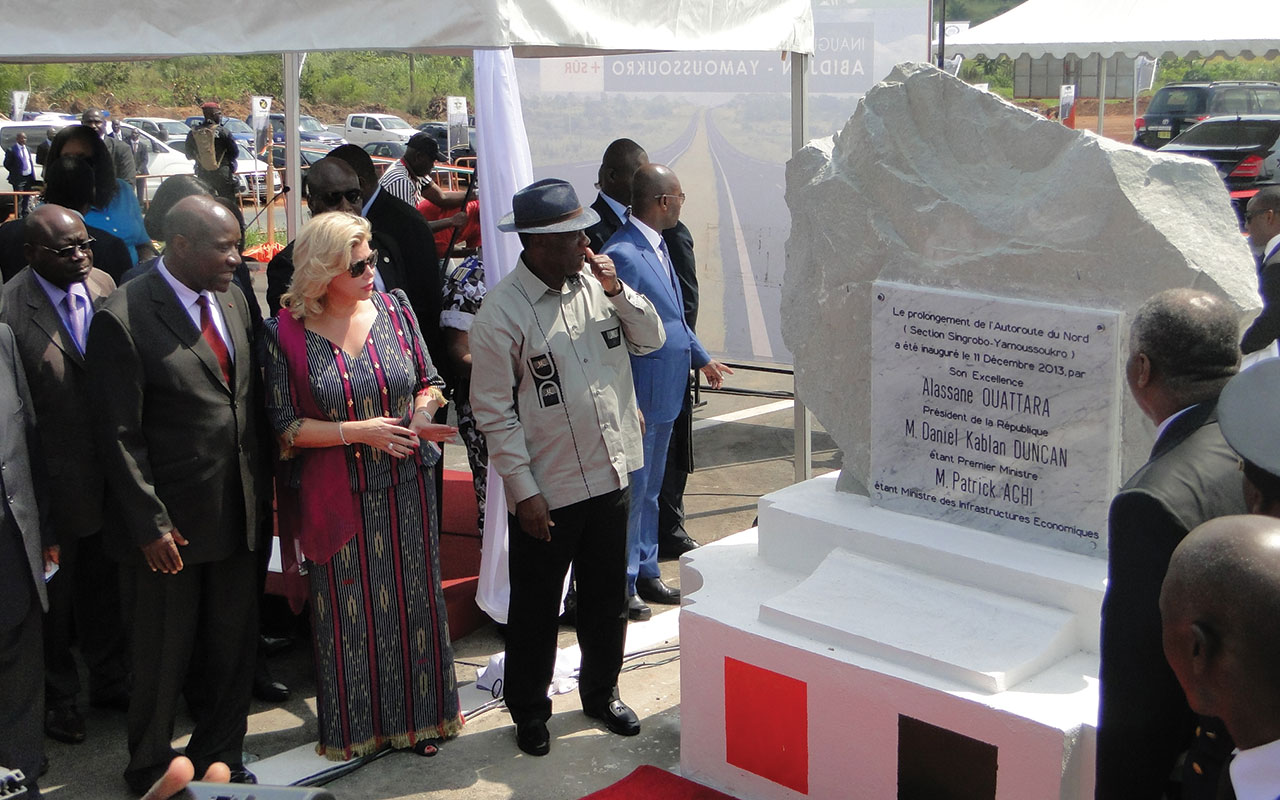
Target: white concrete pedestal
808,646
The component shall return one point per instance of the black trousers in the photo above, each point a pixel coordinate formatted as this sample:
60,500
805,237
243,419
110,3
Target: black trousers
84,597
592,536
207,611
21,670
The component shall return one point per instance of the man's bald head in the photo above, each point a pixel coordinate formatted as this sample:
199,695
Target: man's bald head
332,185
1220,607
359,160
1183,348
655,196
620,161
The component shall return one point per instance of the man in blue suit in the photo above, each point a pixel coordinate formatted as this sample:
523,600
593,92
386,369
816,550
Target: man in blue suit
661,377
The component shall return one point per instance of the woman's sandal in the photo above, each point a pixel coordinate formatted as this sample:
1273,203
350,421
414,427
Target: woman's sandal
425,747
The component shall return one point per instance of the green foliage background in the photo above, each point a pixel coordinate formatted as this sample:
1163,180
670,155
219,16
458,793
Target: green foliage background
328,79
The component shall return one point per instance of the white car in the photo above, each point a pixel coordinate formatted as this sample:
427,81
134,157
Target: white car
168,158
364,128
175,130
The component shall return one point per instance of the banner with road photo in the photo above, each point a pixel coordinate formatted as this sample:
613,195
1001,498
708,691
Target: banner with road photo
722,121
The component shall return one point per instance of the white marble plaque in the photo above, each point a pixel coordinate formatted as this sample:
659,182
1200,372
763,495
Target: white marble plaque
995,414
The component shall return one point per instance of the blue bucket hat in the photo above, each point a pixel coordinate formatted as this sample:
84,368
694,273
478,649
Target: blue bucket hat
547,206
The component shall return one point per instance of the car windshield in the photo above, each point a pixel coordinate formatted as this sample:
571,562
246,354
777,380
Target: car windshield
1232,133
395,124
1178,101
311,124
174,128
236,126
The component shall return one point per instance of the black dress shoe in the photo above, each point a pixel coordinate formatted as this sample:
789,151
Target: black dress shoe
655,591
637,611
675,546
532,737
272,645
241,775
570,615
64,724
270,691
266,688
617,717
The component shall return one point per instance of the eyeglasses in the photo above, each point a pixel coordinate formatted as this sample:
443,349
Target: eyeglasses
1249,215
331,199
357,268
660,196
70,250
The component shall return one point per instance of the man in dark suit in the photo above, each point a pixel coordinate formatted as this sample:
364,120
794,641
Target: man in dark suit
27,550
620,161
1182,351
49,306
121,154
661,377
171,362
420,274
1262,219
22,172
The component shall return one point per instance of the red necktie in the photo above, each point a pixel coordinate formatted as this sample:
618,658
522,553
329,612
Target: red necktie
210,334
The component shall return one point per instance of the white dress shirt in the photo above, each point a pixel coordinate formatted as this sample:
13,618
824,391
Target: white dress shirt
1255,773
190,303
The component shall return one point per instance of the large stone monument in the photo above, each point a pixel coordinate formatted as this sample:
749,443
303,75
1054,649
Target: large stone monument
959,278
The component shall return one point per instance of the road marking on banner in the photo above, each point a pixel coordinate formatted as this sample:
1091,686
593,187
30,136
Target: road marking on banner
741,414
750,296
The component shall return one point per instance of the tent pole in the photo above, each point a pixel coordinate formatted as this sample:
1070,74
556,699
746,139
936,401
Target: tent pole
292,155
803,425
1102,90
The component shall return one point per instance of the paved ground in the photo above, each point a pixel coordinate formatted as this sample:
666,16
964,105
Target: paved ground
737,462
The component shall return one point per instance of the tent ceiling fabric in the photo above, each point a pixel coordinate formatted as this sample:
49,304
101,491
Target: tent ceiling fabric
135,30
1155,28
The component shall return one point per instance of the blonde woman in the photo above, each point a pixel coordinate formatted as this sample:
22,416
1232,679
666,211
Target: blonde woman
350,393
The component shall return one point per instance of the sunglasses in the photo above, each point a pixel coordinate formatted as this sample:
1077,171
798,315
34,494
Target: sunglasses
70,250
331,199
357,268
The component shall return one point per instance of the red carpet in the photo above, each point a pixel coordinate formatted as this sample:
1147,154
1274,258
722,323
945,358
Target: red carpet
651,783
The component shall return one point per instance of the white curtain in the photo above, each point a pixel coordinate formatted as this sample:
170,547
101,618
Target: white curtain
505,166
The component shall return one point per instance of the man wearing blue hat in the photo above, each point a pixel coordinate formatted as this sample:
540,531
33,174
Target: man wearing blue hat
552,392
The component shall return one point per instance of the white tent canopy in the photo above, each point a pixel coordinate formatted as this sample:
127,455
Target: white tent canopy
1154,28
84,30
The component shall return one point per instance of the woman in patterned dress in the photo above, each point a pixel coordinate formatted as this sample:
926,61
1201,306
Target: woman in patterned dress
357,494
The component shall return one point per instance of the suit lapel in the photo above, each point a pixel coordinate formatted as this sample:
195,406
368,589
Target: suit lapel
170,311
1187,423
233,312
46,318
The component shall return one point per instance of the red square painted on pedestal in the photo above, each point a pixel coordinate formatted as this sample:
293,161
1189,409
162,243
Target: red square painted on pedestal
766,724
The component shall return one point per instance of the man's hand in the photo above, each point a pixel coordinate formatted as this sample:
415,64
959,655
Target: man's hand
535,517
162,554
180,773
602,268
51,555
459,219
715,372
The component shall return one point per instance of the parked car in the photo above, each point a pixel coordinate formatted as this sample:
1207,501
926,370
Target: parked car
309,155
1245,150
311,130
174,130
169,158
440,132
1177,106
35,132
364,128
385,149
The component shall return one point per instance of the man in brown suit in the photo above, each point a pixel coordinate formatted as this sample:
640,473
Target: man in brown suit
171,364
49,305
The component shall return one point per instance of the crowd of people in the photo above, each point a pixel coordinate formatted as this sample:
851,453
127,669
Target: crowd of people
1188,693
164,428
